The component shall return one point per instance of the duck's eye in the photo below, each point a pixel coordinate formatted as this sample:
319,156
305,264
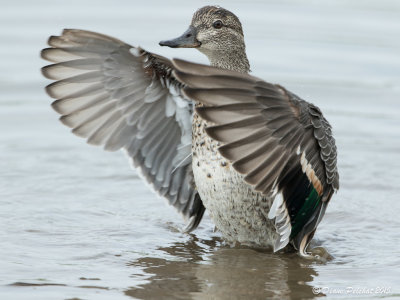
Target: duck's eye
217,24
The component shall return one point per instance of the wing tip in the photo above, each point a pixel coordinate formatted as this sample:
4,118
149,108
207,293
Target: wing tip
56,107
69,30
52,40
46,71
65,121
196,215
50,91
44,53
279,244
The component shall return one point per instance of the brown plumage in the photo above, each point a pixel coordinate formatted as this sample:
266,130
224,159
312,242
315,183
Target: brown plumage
260,159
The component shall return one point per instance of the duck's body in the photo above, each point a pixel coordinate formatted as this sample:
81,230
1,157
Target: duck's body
238,211
258,158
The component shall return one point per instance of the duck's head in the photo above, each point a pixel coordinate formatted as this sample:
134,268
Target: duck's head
218,34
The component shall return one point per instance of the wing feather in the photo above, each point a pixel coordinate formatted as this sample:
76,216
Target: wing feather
282,144
119,97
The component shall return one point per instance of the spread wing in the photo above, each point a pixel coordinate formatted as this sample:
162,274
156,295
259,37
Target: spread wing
121,97
282,144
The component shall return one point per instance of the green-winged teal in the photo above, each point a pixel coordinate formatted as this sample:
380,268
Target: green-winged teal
257,157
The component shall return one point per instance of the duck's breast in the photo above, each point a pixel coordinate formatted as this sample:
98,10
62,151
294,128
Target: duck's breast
238,211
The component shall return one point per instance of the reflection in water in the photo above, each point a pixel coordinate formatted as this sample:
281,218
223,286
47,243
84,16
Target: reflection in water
202,269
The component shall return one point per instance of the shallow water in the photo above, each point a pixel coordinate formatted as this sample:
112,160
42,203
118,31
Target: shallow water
78,223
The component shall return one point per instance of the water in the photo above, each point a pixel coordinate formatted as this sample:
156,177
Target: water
78,223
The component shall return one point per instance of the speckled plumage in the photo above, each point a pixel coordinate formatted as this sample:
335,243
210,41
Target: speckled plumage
237,210
260,159
225,48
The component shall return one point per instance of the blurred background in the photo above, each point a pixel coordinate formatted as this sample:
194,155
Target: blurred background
77,222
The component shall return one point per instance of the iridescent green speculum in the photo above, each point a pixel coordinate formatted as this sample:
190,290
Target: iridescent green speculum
304,214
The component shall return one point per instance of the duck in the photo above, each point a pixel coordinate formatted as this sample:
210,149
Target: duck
261,160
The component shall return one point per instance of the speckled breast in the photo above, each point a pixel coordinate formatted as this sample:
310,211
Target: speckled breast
238,212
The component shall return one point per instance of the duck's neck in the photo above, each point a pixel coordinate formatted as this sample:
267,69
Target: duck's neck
235,60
